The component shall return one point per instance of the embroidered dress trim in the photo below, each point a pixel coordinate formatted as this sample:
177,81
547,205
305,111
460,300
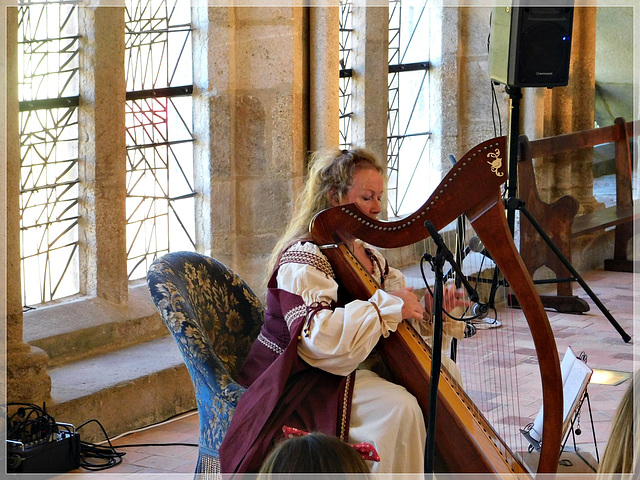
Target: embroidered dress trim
307,258
345,409
295,313
269,344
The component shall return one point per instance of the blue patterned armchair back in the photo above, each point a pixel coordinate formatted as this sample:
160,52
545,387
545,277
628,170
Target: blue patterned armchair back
214,317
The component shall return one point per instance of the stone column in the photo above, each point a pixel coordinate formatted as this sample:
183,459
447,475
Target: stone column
370,90
27,377
532,125
272,128
475,105
252,128
444,84
570,109
214,114
102,154
583,88
324,26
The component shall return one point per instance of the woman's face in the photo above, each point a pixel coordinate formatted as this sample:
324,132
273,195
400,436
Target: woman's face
366,192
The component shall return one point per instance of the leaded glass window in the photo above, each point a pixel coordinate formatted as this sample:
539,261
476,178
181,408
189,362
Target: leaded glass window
49,181
160,192
411,176
410,171
345,73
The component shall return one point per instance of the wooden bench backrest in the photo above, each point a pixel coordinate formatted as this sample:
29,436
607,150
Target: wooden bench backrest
620,133
559,219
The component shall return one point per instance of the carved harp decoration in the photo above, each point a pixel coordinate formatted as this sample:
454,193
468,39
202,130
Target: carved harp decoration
464,439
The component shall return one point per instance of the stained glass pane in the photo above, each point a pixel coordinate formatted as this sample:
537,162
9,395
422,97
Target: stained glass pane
160,194
345,80
48,70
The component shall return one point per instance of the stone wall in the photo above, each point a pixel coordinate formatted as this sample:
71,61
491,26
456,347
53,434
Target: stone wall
251,105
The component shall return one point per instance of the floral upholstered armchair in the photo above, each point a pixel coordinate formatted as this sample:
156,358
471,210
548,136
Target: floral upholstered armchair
214,317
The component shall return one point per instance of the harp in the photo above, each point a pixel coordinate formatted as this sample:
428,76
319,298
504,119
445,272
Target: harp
465,441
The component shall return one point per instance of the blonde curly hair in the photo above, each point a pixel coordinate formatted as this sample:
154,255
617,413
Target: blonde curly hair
622,452
329,178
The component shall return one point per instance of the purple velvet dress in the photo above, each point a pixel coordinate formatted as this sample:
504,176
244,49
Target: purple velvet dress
282,388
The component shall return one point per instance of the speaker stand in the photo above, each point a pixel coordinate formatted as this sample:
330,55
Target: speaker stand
514,204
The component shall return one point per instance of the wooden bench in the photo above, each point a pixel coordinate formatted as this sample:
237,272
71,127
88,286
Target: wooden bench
559,219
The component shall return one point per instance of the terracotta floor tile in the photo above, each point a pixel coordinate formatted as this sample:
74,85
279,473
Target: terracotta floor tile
162,463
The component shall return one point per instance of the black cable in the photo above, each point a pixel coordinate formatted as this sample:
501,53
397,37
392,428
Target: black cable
109,456
495,108
30,423
427,258
159,445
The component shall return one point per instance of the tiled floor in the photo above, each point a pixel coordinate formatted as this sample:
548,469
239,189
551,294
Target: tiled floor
161,458
590,332
151,454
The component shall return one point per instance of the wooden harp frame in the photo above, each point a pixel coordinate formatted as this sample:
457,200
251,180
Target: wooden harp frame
471,187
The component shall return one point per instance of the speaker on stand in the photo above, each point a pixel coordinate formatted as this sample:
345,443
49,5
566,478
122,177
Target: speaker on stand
530,46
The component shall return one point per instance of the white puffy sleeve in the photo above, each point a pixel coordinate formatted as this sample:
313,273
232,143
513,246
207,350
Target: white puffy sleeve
339,339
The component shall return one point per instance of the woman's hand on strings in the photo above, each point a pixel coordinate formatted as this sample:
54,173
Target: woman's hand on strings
411,308
452,297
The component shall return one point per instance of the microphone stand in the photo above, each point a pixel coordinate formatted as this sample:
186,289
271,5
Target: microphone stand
437,263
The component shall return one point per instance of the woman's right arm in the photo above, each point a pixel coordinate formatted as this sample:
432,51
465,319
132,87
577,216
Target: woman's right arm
337,340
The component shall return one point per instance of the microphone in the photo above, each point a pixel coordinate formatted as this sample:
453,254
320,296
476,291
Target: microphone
476,245
479,310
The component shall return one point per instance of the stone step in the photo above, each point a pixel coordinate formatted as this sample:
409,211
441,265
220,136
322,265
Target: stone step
124,389
72,330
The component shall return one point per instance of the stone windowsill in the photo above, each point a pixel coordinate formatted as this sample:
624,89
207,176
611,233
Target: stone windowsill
82,326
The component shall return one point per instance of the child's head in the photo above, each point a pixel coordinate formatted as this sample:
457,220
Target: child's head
313,453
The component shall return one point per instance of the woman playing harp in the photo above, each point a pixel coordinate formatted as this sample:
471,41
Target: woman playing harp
308,367
465,439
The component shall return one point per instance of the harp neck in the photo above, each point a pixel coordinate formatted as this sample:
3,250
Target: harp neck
472,182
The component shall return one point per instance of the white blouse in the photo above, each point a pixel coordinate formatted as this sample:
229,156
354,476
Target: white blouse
338,340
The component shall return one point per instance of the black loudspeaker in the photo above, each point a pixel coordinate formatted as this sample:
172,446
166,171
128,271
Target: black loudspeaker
530,46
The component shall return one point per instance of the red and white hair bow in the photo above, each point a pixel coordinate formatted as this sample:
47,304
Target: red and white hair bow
366,450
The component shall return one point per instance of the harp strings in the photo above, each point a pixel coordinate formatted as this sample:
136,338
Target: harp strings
488,359
485,362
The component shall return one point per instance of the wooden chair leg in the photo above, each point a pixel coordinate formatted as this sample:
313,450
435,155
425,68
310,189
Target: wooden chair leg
620,261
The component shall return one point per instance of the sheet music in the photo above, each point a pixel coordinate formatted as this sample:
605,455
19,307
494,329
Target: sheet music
575,378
